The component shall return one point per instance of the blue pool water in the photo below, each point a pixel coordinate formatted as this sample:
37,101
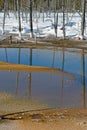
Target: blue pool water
67,88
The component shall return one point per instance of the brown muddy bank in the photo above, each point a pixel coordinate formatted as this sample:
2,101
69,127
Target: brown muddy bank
13,42
65,119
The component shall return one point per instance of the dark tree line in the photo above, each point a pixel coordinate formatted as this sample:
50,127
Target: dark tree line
70,4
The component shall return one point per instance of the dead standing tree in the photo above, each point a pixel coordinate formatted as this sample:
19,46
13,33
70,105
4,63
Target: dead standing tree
63,11
19,17
5,10
55,16
83,17
31,22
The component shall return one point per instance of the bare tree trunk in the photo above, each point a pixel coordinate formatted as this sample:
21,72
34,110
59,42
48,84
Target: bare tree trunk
55,17
19,18
83,18
56,23
31,22
48,3
15,8
63,10
5,8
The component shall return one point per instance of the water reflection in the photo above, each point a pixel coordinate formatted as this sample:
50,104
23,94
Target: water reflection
6,55
62,77
56,89
29,84
43,86
83,79
17,81
26,80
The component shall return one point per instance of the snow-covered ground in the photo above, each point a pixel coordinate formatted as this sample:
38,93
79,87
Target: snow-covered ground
43,27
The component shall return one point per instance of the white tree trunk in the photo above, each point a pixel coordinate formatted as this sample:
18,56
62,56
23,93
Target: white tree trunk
5,7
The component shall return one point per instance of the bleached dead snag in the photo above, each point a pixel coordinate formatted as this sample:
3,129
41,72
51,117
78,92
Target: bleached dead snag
83,17
3,22
31,22
5,38
56,7
19,18
5,8
63,11
56,23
